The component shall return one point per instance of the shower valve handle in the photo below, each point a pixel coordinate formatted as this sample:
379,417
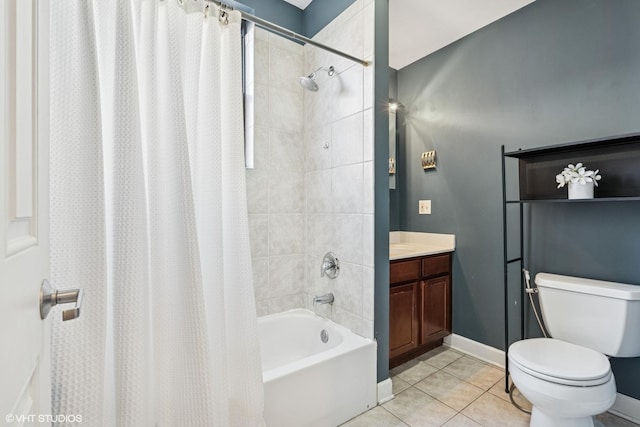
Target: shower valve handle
330,266
50,297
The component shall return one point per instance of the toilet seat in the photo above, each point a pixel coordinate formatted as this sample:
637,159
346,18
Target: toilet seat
560,362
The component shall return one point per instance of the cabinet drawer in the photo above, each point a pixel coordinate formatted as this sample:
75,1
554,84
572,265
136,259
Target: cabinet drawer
404,271
439,264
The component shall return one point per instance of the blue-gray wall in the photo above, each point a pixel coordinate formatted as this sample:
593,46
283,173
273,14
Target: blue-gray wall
394,195
381,183
319,13
552,72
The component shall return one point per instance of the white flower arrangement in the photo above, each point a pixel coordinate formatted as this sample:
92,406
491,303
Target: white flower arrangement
577,174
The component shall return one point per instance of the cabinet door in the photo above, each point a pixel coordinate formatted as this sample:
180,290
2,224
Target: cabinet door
435,309
403,319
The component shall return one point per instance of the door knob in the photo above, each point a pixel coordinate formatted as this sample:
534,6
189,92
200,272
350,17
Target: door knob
50,297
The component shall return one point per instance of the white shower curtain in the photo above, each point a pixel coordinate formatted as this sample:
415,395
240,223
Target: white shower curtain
149,216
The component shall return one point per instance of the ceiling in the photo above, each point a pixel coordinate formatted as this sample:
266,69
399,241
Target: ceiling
420,27
301,4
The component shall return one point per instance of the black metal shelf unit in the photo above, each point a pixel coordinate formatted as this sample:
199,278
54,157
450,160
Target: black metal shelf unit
617,158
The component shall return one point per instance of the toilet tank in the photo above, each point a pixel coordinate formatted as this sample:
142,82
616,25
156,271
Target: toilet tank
600,315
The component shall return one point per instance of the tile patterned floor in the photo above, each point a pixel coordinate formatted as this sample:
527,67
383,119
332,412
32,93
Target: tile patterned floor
450,389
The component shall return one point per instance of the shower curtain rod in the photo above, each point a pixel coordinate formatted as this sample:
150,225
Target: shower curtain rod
288,33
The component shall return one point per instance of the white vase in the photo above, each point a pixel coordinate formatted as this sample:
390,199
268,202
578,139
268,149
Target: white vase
581,191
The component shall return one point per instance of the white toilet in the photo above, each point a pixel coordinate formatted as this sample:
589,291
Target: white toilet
568,379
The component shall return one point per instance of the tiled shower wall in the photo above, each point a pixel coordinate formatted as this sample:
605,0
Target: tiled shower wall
275,187
338,135
311,191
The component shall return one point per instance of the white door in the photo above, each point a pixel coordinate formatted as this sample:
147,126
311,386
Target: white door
24,214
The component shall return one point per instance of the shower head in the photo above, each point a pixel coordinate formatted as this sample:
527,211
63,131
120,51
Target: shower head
309,82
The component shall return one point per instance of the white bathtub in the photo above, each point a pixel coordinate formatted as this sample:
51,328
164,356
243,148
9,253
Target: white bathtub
311,383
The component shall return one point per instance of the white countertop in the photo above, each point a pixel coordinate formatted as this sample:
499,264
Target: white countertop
408,244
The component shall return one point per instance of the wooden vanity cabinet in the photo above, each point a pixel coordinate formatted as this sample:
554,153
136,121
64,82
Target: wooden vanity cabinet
403,330
419,306
435,309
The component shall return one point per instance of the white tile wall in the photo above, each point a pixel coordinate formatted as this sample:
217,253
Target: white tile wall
284,43
347,137
348,39
259,235
276,185
285,150
321,228
257,191
348,288
317,147
261,147
285,109
367,137
368,28
348,238
368,83
316,285
318,108
285,67
286,234
261,106
260,278
286,191
318,192
311,191
347,92
289,302
261,60
343,103
286,273
347,189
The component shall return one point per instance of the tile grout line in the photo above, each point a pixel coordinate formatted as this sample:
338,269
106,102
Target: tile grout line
474,400
448,406
395,416
457,412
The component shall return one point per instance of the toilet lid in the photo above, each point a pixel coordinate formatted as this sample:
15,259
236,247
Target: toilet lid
560,361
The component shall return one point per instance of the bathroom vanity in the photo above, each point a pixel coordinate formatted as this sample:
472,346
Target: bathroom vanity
419,293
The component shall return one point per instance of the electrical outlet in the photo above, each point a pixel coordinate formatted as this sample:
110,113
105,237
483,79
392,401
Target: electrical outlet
424,207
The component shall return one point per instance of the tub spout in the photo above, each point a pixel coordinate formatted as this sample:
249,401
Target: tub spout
324,299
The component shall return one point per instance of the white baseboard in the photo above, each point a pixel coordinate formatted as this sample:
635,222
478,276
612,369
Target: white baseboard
385,392
625,407
476,349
